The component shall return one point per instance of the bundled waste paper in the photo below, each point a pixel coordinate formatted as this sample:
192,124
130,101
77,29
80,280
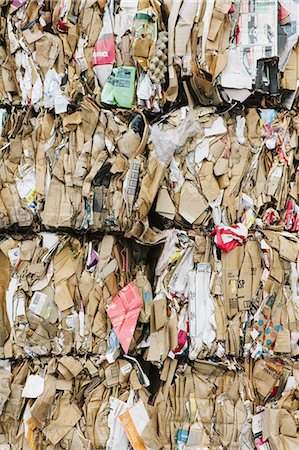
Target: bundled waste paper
101,170
149,225
148,52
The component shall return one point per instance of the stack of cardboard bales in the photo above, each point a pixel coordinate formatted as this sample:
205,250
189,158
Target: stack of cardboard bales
149,218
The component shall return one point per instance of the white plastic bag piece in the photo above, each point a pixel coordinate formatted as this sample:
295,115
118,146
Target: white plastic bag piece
171,141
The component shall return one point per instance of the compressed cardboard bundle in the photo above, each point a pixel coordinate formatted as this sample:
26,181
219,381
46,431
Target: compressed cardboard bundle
94,405
275,423
97,169
78,171
228,169
239,303
81,309
92,360
148,53
62,294
149,274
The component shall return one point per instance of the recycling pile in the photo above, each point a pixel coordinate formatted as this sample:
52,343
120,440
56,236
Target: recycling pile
93,170
78,172
148,53
149,225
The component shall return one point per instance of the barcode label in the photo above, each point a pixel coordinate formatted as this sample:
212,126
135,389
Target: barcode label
126,369
36,299
37,303
70,322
